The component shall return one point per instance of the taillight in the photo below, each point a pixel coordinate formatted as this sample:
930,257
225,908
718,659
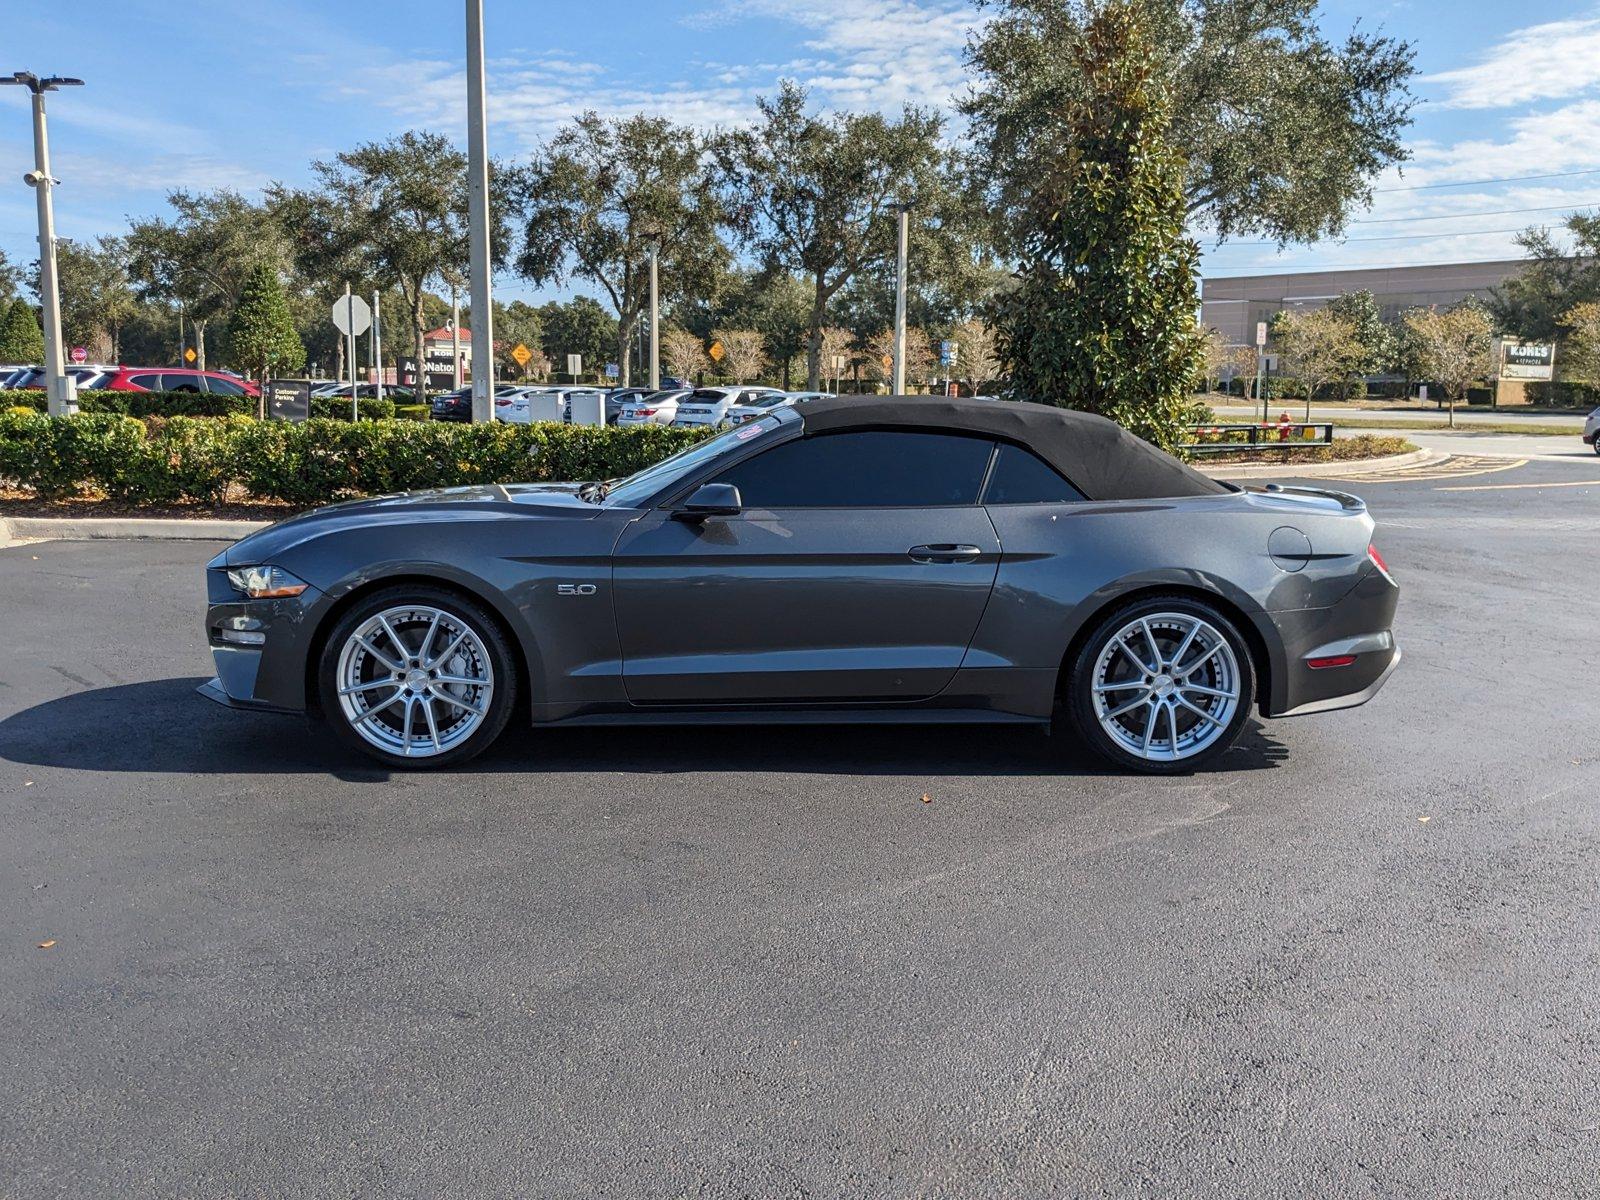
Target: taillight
645,412
1336,660
1377,561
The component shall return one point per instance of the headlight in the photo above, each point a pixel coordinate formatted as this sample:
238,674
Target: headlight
265,582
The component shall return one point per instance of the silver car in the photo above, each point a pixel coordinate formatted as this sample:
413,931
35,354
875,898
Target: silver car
1591,431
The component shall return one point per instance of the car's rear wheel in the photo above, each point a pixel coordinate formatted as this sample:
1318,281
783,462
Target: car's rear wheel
1162,685
417,677
1596,444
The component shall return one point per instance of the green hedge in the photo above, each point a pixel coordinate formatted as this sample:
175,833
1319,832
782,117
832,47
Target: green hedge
194,404
164,460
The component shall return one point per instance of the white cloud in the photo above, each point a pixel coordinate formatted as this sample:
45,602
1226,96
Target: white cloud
858,54
1539,62
1565,139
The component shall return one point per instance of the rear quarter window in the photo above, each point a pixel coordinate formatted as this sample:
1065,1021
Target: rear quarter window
1021,477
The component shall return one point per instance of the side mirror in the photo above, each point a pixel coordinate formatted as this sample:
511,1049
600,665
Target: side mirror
711,500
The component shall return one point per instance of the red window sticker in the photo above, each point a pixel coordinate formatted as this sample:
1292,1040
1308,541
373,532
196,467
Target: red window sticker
745,432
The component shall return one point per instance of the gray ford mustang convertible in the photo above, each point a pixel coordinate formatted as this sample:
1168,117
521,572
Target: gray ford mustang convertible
892,559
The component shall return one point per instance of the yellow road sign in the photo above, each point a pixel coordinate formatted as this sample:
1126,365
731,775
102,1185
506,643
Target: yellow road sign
521,353
189,355
716,352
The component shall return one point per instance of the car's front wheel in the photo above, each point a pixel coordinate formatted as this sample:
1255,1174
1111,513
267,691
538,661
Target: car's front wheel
1162,685
1596,443
417,677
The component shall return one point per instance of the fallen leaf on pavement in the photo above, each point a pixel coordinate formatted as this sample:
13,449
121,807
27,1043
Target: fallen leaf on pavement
47,945
927,799
1424,820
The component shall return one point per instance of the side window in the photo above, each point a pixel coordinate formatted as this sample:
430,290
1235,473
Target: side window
185,381
871,469
227,387
1022,477
150,383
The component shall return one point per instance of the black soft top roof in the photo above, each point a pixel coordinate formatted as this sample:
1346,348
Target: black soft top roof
1101,458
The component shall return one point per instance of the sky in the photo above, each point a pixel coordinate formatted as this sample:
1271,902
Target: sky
240,93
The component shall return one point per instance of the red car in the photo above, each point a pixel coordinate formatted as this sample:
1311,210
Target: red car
176,379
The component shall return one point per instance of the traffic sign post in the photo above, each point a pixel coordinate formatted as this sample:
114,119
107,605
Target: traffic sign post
351,316
611,370
716,352
189,355
574,366
80,354
521,354
1261,340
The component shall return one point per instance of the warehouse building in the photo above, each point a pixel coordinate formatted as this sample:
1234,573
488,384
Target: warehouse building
1234,304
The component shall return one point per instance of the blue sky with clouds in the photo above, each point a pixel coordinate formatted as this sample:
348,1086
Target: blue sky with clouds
237,93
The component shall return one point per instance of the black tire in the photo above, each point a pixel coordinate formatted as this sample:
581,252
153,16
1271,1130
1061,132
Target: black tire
1596,444
1208,737
487,649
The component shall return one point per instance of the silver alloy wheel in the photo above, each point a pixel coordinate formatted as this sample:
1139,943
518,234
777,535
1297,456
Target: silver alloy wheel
415,680
1166,686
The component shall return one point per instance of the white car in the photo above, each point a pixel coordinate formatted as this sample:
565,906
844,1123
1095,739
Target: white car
1591,431
749,410
709,406
658,408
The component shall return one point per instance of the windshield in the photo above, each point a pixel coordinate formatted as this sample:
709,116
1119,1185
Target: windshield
640,486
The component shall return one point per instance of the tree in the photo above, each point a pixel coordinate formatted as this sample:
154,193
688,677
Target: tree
977,353
1102,317
10,279
1241,362
837,343
1282,129
21,336
261,331
393,214
1452,346
1579,359
920,357
1531,304
1374,335
201,258
96,294
602,193
580,326
1214,356
1317,346
744,353
814,195
516,324
682,353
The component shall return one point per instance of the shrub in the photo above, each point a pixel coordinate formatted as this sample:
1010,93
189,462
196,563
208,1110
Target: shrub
163,460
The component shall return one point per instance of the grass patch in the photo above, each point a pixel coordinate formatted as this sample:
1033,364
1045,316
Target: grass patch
1527,427
1352,449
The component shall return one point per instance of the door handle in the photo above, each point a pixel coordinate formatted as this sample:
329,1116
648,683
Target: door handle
943,552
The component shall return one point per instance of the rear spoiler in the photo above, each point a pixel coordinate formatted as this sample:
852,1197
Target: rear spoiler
1346,500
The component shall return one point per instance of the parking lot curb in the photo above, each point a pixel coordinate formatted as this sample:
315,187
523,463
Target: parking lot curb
1358,466
77,529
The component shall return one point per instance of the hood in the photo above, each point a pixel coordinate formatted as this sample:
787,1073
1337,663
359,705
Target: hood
479,503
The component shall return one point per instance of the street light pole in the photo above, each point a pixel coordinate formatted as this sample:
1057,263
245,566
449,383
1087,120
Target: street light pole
59,392
478,220
898,386
655,317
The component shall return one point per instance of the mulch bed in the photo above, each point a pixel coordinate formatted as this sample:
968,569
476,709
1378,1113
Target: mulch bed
25,504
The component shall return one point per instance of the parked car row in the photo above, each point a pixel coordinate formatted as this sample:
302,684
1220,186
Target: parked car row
114,378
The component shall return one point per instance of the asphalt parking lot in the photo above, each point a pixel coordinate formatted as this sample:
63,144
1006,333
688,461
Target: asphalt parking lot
1361,958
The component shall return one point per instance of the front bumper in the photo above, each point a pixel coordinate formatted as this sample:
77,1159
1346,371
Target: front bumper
260,647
